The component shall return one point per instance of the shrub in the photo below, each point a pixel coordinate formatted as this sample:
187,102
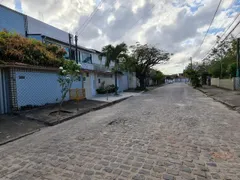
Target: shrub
15,48
107,89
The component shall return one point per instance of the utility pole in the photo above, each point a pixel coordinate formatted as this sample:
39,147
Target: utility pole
191,63
70,45
238,57
76,48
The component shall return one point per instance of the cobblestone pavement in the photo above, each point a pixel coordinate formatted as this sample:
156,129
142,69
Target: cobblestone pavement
171,133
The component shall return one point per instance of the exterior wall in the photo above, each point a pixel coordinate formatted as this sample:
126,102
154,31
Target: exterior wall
224,83
12,21
89,85
132,80
123,82
38,27
215,82
108,79
38,88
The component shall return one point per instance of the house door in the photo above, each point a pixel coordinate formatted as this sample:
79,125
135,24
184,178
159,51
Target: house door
4,100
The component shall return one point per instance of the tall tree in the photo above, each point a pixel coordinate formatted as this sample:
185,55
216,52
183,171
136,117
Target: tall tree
115,54
143,58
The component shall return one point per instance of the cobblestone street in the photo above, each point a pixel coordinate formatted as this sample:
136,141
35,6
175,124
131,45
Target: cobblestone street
171,133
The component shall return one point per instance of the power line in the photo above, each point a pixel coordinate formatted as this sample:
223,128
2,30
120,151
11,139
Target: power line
82,28
224,33
215,13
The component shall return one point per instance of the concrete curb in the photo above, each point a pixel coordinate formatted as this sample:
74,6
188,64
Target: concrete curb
19,137
219,100
82,113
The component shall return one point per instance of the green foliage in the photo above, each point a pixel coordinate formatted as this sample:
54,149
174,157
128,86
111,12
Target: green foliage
115,54
106,89
15,48
222,60
232,69
193,75
157,77
68,73
142,59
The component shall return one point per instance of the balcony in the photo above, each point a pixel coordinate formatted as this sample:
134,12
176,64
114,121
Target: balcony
101,68
87,66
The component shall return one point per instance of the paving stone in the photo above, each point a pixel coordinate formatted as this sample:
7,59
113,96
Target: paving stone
89,173
186,169
147,166
108,169
173,172
125,167
187,176
215,176
138,177
117,171
144,172
199,173
168,177
212,164
97,167
188,164
159,169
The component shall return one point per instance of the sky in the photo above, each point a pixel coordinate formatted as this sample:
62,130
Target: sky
177,26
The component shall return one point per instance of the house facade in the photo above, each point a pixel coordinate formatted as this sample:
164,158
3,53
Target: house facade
22,86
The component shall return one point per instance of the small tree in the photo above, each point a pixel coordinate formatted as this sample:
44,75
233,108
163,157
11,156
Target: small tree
143,58
68,73
114,54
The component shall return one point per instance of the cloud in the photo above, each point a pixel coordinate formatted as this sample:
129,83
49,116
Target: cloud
177,26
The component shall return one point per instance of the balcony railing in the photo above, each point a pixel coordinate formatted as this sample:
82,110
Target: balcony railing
102,68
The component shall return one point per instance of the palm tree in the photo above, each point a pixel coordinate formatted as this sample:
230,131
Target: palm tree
114,54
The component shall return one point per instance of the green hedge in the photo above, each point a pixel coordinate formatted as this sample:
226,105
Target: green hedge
16,48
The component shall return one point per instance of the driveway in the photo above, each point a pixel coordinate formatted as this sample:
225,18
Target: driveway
172,133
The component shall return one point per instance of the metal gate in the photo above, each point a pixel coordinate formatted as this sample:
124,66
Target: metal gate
4,100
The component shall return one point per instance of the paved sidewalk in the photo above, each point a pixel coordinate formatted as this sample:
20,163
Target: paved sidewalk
227,97
14,127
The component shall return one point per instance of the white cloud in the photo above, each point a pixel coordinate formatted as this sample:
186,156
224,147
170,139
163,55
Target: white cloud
174,25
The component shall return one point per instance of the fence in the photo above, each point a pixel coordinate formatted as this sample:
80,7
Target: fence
77,94
224,83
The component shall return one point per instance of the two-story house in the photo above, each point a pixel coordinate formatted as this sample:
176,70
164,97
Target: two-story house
35,86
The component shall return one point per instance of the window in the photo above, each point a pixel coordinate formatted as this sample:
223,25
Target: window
86,57
99,80
87,74
66,56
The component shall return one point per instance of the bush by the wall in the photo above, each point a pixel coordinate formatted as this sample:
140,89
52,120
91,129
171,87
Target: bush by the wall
16,48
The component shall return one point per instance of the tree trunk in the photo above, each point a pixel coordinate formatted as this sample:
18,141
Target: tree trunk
116,86
142,82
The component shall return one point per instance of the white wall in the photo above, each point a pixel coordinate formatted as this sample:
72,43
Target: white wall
39,88
223,83
38,27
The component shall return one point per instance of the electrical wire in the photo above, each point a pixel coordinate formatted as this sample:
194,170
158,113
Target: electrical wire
85,24
215,13
224,33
